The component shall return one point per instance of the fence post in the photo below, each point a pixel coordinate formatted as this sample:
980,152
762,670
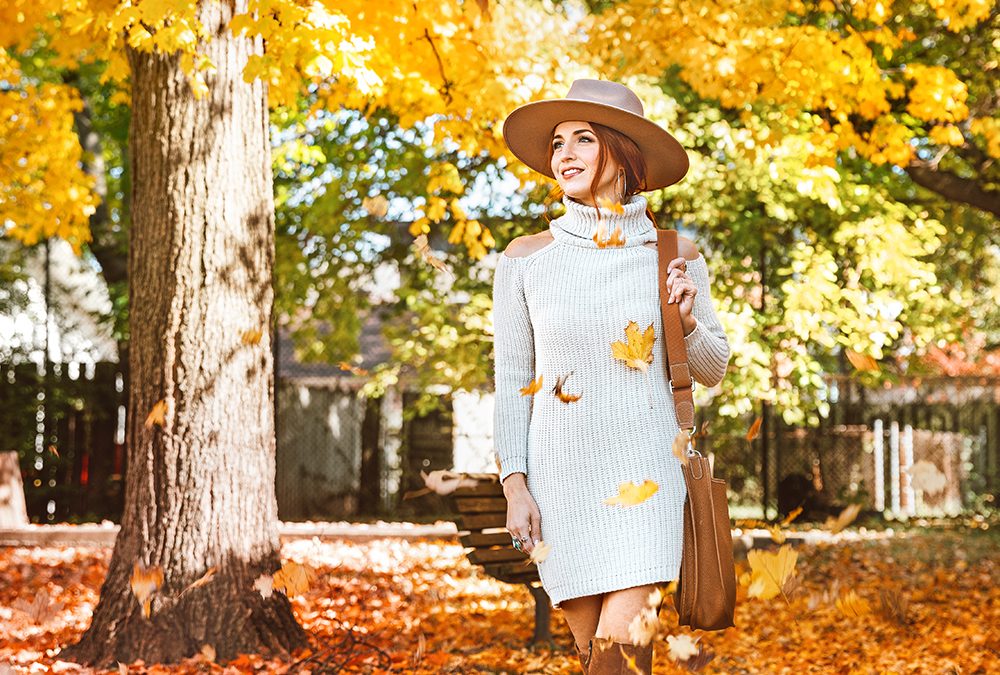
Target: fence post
879,460
909,498
13,510
894,466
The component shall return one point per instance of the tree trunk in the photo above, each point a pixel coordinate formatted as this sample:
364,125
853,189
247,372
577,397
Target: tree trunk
200,486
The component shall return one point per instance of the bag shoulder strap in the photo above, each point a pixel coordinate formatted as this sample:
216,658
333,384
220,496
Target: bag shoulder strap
674,349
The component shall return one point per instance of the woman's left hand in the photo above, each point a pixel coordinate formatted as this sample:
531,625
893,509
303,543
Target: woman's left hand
680,288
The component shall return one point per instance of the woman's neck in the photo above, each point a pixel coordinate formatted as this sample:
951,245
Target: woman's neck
580,223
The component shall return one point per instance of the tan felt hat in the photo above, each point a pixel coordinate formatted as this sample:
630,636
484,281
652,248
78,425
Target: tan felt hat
528,129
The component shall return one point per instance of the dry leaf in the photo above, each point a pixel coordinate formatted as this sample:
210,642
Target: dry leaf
926,477
158,414
264,584
424,249
53,450
777,534
792,515
533,388
679,446
377,206
754,430
208,653
144,583
292,579
644,626
682,647
251,336
893,606
539,553
845,518
205,578
697,663
356,370
637,351
861,361
445,482
769,571
630,494
852,605
613,206
564,397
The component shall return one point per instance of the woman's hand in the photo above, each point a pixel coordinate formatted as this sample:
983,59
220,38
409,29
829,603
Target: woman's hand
524,521
681,288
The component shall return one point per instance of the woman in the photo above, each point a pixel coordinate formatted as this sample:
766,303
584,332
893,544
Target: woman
560,298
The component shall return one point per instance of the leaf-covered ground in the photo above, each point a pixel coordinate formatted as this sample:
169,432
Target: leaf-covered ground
419,607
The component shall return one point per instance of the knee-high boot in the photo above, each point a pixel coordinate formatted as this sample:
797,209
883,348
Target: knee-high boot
608,657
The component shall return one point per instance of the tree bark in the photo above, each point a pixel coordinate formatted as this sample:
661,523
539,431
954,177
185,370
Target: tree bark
200,487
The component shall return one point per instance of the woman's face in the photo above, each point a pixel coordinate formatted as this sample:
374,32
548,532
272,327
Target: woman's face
575,150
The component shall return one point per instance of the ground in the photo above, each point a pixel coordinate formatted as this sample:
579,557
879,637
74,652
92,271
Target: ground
391,605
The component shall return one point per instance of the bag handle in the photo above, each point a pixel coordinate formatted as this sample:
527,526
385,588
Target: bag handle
674,349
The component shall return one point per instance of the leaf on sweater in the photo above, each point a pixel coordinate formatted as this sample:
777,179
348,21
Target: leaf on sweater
637,350
617,237
861,361
630,494
563,396
852,605
843,519
158,414
533,388
769,571
679,446
754,430
144,583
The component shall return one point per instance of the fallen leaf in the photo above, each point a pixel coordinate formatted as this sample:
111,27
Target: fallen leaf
637,350
769,571
204,579
843,519
682,647
144,583
533,388
558,391
158,414
893,606
630,494
754,430
777,534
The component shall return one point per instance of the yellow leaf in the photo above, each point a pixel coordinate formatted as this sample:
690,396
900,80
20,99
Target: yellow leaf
682,647
644,626
792,515
630,494
637,350
769,571
539,553
851,605
777,535
205,578
158,414
292,579
614,207
679,446
533,388
251,336
845,518
144,583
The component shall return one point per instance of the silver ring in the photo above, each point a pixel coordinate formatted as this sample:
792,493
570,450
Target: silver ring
517,544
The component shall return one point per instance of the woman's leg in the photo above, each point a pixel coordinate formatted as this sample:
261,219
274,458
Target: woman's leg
582,615
618,610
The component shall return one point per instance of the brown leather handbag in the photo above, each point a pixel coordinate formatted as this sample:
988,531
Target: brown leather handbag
706,590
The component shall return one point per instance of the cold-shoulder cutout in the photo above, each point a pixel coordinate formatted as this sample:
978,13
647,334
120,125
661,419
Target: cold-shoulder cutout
528,244
685,247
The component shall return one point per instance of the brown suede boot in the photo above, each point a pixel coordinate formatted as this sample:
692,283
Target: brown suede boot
584,655
608,657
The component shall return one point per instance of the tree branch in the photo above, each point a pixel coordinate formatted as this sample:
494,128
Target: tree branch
955,188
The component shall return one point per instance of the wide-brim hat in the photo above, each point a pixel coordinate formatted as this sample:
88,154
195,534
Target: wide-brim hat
528,129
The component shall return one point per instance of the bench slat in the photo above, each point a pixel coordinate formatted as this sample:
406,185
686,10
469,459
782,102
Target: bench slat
481,505
483,556
479,539
513,573
483,489
479,521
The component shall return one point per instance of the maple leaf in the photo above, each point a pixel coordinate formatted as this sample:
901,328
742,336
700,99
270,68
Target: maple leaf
861,361
644,626
292,579
680,445
144,583
539,553
852,605
843,519
251,336
533,388
158,414
445,482
682,647
558,390
41,609
926,477
769,571
754,430
631,494
637,350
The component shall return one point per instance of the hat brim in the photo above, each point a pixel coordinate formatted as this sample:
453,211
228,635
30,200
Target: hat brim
528,132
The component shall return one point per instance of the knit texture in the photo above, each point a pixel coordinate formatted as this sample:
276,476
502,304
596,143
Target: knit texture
556,312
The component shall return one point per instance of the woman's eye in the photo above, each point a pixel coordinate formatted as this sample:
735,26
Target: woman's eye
557,145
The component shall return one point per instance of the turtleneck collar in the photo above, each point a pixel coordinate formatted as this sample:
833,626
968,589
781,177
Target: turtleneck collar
579,224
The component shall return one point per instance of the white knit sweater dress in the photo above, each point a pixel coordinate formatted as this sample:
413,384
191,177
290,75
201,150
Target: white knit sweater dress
557,311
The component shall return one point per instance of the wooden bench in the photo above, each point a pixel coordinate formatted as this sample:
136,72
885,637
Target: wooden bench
482,525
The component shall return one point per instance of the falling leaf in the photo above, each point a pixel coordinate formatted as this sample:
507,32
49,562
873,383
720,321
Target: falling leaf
122,669
445,482
533,388
144,583
777,534
356,370
424,249
769,571
754,430
292,579
679,446
264,584
377,206
637,351
682,647
205,578
613,206
926,477
251,336
644,626
893,606
158,414
792,515
697,663
852,605
558,390
861,361
208,653
41,609
53,450
539,553
845,518
630,494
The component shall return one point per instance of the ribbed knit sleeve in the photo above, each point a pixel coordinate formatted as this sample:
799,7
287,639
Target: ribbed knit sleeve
707,345
514,365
